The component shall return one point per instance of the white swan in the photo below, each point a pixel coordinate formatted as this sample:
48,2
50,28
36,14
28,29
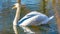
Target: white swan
33,18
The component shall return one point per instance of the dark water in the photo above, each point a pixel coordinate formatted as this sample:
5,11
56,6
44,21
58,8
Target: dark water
7,16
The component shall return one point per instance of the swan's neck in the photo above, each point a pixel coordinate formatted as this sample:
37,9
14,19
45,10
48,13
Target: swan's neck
17,16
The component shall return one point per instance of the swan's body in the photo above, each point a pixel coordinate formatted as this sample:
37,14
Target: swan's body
33,19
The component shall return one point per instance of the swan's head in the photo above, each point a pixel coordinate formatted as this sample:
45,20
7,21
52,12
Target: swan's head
15,5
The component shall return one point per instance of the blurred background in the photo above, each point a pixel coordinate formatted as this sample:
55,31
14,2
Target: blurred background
7,15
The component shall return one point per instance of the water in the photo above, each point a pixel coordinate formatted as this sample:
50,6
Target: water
7,16
32,4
